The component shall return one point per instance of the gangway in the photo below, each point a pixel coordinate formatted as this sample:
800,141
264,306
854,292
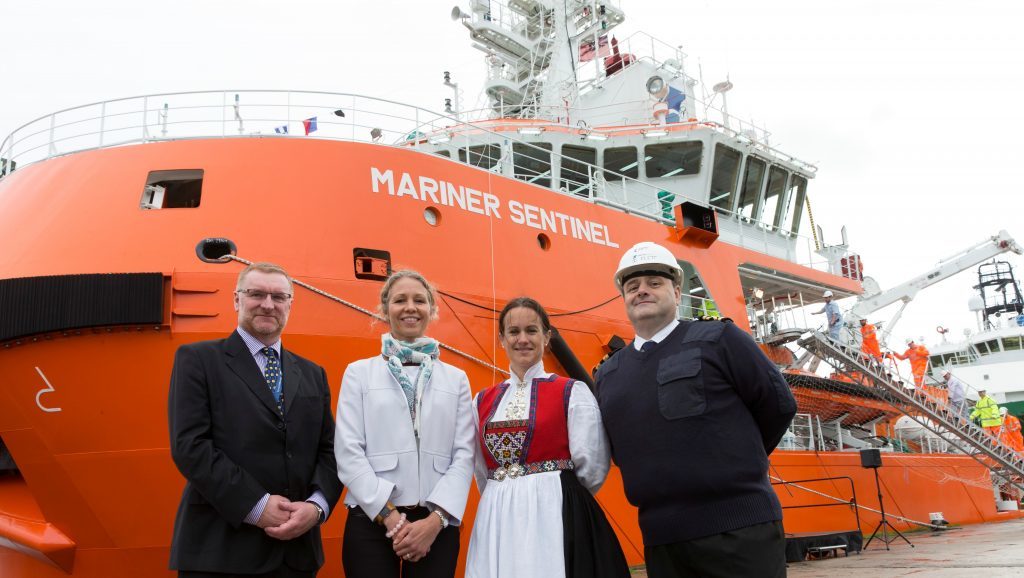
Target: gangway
930,413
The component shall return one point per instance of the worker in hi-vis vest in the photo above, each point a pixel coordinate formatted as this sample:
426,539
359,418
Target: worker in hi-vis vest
869,341
918,356
1011,436
986,411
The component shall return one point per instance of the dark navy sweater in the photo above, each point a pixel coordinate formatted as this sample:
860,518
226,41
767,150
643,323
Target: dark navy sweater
691,424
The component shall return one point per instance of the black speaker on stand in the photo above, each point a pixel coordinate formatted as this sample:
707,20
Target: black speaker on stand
872,458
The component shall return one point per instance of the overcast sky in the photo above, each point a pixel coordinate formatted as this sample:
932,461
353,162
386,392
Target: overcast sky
912,110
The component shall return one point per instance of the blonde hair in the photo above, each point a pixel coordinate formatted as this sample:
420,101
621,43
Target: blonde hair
263,267
385,291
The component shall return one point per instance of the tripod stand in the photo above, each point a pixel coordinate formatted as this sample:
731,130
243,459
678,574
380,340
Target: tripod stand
884,524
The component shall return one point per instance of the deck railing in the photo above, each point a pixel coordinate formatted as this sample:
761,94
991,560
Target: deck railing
352,117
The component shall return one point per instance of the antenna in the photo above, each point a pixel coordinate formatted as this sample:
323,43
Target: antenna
722,88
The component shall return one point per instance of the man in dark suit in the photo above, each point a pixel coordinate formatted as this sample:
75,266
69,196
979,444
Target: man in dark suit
252,432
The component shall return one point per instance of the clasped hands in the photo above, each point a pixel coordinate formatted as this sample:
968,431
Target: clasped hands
284,520
413,539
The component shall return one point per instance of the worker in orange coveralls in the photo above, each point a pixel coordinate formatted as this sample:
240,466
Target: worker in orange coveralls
1011,436
918,356
869,341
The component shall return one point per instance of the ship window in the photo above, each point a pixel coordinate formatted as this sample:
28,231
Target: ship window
179,189
673,159
726,171
532,162
621,160
797,197
484,156
576,170
695,301
753,177
982,348
771,212
444,153
936,361
993,346
1011,343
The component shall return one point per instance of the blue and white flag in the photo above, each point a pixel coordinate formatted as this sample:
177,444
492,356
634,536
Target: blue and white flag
283,129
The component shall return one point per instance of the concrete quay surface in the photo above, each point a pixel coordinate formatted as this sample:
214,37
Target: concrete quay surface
988,550
993,550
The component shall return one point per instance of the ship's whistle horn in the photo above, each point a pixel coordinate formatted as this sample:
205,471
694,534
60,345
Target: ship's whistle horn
216,250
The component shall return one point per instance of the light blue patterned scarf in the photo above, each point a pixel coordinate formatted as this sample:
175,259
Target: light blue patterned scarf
423,351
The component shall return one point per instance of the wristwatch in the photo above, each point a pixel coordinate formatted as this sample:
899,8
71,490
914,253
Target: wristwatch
443,517
384,513
321,517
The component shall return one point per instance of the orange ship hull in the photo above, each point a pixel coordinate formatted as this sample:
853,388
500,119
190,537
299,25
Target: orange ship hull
83,412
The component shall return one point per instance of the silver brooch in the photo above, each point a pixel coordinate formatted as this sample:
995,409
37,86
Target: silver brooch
515,470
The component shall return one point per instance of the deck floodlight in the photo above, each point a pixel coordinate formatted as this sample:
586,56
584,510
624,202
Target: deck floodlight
458,14
340,113
376,134
655,85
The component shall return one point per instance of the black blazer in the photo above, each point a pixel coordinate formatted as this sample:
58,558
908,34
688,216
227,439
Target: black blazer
232,446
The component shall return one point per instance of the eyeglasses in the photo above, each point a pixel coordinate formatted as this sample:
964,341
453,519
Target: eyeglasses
260,296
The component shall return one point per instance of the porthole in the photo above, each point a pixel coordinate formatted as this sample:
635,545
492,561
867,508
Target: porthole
543,241
432,216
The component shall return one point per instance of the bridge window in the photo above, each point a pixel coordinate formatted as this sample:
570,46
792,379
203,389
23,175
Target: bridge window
621,160
531,162
753,178
695,300
1011,343
576,170
771,212
673,159
726,171
797,197
443,153
988,347
178,189
484,156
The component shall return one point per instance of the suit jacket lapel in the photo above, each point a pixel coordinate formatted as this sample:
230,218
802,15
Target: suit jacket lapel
241,362
292,378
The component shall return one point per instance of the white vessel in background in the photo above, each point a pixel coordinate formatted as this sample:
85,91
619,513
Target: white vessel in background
991,358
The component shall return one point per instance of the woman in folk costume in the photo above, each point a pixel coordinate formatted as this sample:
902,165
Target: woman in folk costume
541,452
404,445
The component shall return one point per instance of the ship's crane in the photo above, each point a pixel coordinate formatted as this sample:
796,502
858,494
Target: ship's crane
874,299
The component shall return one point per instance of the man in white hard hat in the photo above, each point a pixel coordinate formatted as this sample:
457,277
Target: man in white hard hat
918,356
692,410
832,315
957,394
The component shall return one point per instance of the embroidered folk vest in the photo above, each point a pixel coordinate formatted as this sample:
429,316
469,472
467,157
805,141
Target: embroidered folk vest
539,443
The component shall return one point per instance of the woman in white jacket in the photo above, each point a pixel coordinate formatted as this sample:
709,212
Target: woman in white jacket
404,445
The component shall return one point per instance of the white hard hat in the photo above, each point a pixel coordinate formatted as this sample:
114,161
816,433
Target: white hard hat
910,340
826,294
945,373
648,256
1003,410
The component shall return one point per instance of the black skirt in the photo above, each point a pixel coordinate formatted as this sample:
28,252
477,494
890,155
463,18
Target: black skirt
591,548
